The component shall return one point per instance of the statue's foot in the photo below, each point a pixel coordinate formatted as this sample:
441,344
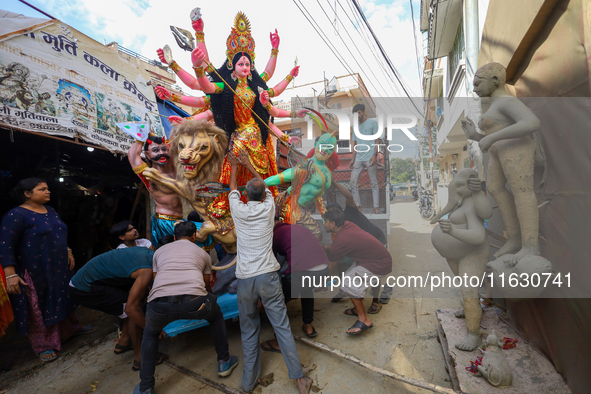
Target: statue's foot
469,343
460,314
511,246
522,253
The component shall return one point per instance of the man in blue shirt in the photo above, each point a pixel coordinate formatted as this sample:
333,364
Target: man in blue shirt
115,283
365,157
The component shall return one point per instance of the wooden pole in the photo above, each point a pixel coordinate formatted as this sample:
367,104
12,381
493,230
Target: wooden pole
203,379
393,375
140,190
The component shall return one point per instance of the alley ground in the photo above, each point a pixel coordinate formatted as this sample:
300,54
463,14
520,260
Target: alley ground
403,340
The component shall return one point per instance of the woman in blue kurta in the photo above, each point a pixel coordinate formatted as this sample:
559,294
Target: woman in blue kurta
37,263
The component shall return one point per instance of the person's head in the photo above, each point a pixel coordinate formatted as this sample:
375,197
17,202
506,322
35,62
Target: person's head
34,190
324,146
165,240
489,78
125,231
334,205
195,217
333,220
185,230
360,109
157,150
255,190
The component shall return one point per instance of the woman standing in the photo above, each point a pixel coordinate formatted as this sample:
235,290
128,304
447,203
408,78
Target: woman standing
37,263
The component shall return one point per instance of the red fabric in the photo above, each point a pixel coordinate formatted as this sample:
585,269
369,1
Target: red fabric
361,247
301,247
332,162
6,315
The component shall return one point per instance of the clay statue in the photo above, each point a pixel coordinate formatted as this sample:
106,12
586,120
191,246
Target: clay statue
309,180
462,240
508,126
494,367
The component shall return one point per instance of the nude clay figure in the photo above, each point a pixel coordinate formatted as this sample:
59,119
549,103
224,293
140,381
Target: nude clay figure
462,240
508,126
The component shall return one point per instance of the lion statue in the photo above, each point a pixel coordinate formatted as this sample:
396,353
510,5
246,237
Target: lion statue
198,148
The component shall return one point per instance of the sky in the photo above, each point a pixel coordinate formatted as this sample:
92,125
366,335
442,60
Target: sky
144,26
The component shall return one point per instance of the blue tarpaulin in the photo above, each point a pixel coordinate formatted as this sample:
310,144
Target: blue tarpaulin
167,108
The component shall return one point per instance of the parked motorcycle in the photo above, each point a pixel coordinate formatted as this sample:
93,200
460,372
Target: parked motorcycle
425,204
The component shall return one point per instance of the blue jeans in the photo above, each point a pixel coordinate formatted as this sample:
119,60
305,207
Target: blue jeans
267,287
159,314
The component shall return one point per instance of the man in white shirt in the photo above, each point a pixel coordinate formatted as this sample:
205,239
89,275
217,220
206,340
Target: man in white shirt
129,236
181,291
257,275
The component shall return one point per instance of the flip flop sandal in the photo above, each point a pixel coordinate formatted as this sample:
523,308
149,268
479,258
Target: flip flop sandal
47,352
350,312
374,309
120,349
269,347
362,327
137,365
84,330
312,335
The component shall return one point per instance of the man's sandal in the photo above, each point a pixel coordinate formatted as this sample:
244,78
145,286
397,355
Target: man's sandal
269,347
374,308
362,327
45,353
350,312
120,349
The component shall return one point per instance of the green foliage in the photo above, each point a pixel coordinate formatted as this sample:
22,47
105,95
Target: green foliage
402,169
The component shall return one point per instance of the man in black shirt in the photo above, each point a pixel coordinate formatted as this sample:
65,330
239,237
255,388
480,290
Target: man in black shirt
354,215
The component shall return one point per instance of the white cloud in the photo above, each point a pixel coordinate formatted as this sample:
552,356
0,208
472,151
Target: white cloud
143,26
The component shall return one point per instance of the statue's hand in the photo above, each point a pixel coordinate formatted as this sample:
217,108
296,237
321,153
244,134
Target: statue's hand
485,143
160,53
162,93
264,97
474,184
295,71
445,225
469,129
197,57
198,25
274,40
151,174
175,119
302,112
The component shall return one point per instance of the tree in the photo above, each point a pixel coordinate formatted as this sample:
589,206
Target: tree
401,169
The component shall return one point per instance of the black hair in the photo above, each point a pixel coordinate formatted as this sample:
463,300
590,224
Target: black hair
184,229
336,216
334,205
359,107
26,185
165,240
155,139
255,189
195,217
119,229
222,104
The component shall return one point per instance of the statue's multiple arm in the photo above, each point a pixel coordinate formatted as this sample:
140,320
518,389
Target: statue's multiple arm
276,180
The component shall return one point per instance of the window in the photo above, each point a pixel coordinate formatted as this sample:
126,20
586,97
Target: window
458,51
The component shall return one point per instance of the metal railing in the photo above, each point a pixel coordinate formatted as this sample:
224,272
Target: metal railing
141,57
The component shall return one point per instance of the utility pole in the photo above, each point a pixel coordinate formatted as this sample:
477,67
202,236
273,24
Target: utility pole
430,124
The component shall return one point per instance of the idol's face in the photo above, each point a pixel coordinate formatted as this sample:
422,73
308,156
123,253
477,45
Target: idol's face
484,86
159,154
242,69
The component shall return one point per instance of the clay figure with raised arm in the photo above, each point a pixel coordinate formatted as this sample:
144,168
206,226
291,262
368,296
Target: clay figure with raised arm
308,182
461,239
168,203
508,126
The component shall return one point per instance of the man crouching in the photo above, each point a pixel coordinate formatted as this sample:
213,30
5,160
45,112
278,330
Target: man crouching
181,291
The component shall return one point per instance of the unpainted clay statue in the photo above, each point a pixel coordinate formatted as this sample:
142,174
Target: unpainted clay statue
532,266
462,240
508,126
494,367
